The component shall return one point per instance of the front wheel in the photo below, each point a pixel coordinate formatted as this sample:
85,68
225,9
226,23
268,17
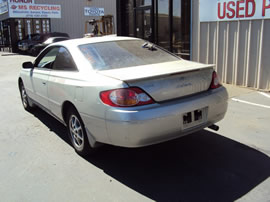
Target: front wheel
24,98
77,133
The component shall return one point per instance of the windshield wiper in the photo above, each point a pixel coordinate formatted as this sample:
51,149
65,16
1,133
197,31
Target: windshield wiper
149,46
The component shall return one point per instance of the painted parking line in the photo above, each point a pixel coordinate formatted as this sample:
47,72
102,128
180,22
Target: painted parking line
265,94
250,103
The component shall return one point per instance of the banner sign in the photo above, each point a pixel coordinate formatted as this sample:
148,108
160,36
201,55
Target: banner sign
23,10
3,6
92,11
22,1
229,10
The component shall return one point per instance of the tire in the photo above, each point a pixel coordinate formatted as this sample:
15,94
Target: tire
77,133
34,52
25,99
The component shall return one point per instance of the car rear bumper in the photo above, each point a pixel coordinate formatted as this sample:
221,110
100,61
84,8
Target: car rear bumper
151,124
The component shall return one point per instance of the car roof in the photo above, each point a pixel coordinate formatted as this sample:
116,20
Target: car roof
80,41
57,37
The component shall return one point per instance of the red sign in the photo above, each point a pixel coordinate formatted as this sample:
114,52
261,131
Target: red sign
23,10
22,1
227,10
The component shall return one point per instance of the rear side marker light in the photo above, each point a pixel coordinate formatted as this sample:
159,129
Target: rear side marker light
125,97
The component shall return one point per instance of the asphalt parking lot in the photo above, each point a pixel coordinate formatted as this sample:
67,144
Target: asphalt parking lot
37,162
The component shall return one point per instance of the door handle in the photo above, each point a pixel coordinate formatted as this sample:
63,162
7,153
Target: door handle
44,83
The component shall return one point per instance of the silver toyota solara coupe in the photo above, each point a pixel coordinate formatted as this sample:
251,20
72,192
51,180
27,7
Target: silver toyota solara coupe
122,91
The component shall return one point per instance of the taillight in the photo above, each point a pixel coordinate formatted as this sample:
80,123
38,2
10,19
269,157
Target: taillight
125,97
215,81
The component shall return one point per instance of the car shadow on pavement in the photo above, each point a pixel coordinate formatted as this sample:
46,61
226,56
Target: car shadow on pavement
53,124
203,166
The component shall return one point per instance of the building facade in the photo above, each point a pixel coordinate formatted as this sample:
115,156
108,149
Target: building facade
71,18
232,34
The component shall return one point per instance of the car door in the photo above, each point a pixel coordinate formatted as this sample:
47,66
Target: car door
40,75
61,83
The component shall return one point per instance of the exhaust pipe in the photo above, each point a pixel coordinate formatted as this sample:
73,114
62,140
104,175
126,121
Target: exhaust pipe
214,127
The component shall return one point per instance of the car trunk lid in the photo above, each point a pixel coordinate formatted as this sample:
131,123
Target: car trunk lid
165,81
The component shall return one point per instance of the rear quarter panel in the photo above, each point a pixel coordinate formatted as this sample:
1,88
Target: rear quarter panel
83,92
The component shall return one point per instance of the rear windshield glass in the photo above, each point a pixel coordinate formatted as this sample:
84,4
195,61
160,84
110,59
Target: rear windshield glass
121,54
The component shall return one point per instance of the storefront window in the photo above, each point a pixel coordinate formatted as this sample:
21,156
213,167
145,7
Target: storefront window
176,35
163,31
185,29
143,24
6,33
143,3
165,22
1,34
129,13
19,23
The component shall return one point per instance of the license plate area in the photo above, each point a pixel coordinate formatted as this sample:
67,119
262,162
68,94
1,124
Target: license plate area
194,118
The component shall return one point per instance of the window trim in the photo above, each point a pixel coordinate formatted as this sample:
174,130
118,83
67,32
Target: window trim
46,51
37,61
76,68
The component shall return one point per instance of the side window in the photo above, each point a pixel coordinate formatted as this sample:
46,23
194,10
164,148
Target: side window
64,61
48,59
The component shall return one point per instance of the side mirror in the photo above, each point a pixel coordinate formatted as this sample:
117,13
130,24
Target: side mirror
28,65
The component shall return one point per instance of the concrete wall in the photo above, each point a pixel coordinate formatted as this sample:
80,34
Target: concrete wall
240,49
73,19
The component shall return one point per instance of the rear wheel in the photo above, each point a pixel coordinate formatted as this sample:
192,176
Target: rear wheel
77,133
24,98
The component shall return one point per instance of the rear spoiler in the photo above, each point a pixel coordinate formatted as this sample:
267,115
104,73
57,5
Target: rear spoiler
155,70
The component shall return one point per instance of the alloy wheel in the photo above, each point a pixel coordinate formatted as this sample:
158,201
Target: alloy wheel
24,97
76,132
